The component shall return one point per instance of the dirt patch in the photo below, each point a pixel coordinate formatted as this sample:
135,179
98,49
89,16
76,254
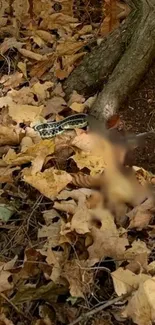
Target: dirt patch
138,113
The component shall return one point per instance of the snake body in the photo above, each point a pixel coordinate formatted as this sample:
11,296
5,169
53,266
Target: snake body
50,129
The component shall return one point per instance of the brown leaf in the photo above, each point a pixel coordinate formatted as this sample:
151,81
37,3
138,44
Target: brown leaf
126,281
137,256
141,215
6,174
76,98
5,284
106,239
141,307
35,153
9,135
80,278
69,47
49,183
51,231
10,43
11,81
25,113
31,55
54,106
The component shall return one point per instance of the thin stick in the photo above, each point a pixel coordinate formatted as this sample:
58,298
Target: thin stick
97,309
13,306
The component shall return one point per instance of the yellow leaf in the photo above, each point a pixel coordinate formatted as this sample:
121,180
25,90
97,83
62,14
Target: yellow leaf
95,163
77,107
22,66
49,183
25,113
9,135
35,153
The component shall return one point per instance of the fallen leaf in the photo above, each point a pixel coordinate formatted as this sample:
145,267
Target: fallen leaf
80,278
25,113
52,230
137,256
126,281
11,81
41,90
22,66
81,220
49,183
10,43
141,306
35,154
106,239
31,55
77,107
93,162
54,105
69,47
10,135
75,97
5,284
141,215
6,174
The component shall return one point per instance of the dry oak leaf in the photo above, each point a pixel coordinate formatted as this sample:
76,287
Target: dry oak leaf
8,43
10,135
6,174
51,231
6,266
22,66
81,220
137,256
35,153
25,113
106,238
69,47
54,105
80,278
95,163
141,215
5,284
76,98
11,81
49,183
141,306
77,107
57,21
41,90
126,281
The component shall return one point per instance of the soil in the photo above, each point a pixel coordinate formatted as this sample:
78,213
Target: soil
138,114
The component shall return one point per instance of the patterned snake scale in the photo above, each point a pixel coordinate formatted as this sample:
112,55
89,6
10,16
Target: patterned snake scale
51,129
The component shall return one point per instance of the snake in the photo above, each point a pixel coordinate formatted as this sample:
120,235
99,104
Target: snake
50,129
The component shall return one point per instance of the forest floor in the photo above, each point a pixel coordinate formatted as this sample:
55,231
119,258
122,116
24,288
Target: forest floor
138,113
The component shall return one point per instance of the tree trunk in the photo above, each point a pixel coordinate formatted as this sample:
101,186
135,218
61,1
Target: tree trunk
97,65
126,54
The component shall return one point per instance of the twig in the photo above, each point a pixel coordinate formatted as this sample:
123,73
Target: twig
15,307
97,309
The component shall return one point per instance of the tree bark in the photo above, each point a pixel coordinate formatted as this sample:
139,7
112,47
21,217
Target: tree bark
97,65
131,67
126,54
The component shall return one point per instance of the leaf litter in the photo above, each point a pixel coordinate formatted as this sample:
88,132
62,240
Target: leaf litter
76,224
